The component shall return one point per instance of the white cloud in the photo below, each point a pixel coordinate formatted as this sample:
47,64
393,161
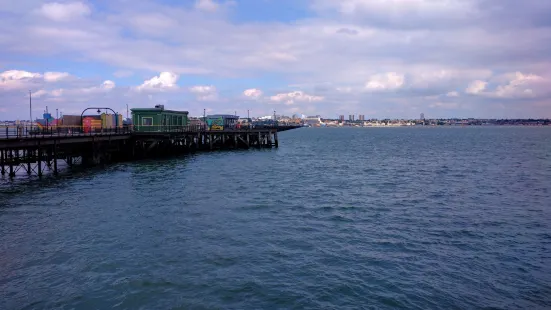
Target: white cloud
204,92
253,93
344,89
17,75
105,86
24,80
519,85
64,11
452,94
386,81
206,5
200,89
108,84
57,92
295,96
165,80
437,77
398,7
476,87
401,13
523,85
18,79
55,76
39,93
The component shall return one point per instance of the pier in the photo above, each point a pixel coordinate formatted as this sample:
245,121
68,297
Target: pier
36,151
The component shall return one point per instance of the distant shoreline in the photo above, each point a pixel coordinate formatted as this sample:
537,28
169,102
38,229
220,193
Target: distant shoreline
430,126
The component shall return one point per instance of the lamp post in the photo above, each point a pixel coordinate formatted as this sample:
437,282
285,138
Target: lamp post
98,110
30,108
204,119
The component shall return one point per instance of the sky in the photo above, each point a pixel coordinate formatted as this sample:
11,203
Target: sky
380,58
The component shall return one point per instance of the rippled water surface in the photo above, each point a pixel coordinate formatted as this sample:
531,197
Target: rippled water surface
416,218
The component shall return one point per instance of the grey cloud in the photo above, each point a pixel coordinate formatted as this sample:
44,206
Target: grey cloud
515,14
347,31
441,15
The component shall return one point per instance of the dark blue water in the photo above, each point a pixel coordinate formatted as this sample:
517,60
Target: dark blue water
387,218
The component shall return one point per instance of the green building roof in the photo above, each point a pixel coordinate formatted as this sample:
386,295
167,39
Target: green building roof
158,108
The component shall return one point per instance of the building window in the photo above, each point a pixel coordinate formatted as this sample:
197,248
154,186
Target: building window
147,121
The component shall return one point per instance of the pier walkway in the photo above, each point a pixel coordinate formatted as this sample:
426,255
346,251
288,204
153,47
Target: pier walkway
33,150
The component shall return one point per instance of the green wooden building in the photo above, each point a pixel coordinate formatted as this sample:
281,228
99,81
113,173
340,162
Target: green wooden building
158,119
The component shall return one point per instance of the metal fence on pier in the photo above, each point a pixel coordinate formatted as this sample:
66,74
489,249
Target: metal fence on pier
22,132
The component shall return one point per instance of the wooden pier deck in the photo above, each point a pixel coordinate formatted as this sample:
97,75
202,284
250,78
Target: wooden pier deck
33,152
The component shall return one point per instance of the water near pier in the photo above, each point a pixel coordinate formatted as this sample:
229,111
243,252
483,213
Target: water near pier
416,218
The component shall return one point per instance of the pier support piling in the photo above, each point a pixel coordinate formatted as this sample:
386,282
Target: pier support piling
12,172
29,157
55,157
39,162
2,161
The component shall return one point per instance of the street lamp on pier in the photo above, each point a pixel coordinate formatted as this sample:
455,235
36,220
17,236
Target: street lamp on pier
30,108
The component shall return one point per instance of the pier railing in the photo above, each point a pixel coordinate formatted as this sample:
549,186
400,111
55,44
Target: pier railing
20,132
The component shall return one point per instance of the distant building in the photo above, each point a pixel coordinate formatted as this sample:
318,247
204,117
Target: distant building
341,118
312,120
351,117
422,116
361,117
